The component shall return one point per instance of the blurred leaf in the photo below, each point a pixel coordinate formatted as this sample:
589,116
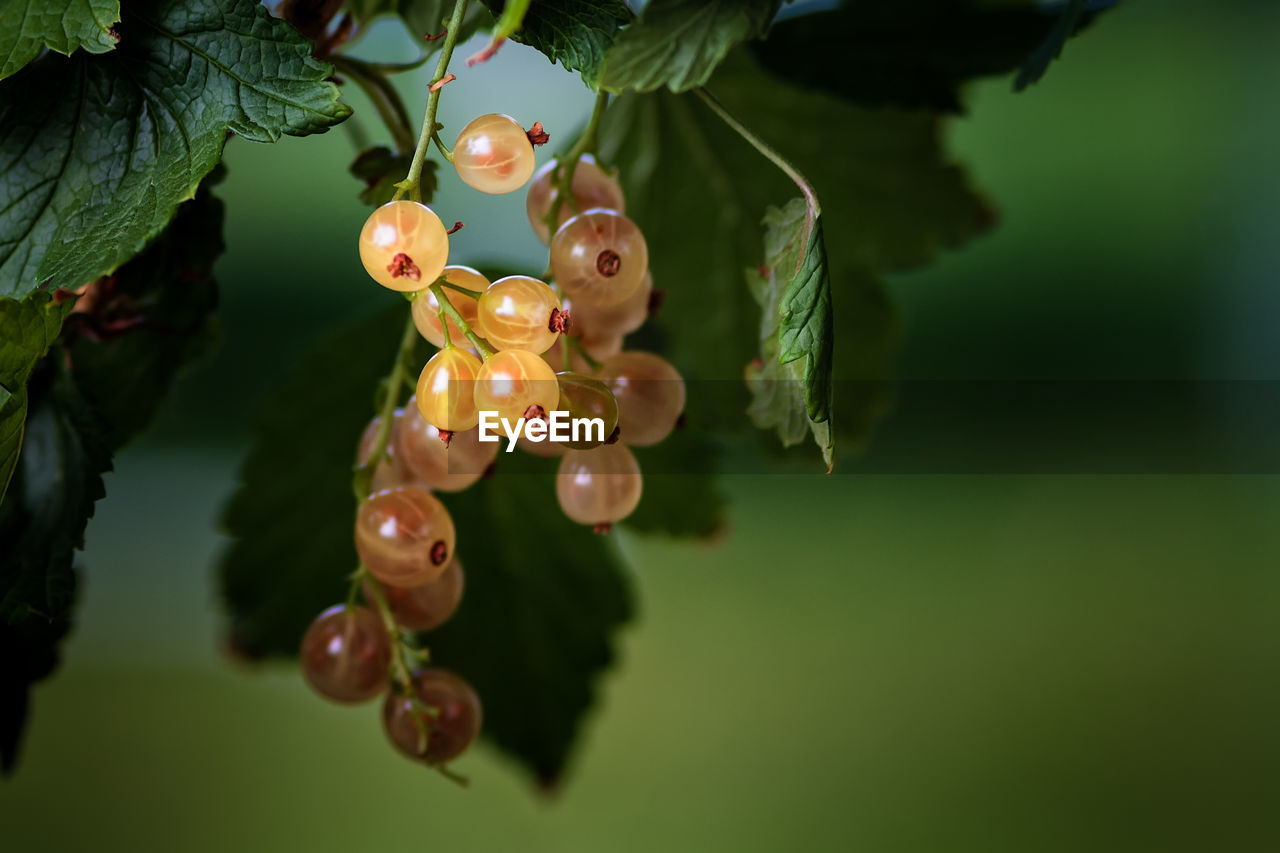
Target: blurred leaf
27,329
381,169
679,43
914,53
682,495
27,26
575,33
891,200
42,522
97,152
544,596
160,302
545,599
791,388
1051,47
56,481
28,654
291,516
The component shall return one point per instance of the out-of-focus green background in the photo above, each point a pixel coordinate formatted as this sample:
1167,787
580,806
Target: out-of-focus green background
870,663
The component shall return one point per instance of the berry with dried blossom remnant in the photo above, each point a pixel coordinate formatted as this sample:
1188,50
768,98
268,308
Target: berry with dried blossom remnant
516,384
599,258
449,467
520,312
345,654
493,154
404,536
443,733
403,245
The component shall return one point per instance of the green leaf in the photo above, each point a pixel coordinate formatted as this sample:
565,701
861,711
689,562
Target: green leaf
97,152
575,33
26,26
795,329
679,43
544,597
914,53
27,329
1051,48
120,350
144,323
891,200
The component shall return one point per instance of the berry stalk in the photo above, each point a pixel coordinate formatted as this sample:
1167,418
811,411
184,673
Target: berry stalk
810,195
395,380
567,164
446,307
411,183
576,345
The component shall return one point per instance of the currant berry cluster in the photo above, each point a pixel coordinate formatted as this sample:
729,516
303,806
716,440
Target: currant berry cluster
499,344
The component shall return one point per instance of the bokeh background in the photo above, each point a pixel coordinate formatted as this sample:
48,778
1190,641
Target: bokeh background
887,663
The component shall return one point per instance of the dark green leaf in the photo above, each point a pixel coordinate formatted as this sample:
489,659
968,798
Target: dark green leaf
575,33
291,517
381,169
795,329
42,521
891,200
682,496
544,597
57,480
139,326
27,330
914,53
679,43
97,152
28,654
1051,47
26,26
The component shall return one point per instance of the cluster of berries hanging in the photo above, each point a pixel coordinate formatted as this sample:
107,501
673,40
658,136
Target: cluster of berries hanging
518,350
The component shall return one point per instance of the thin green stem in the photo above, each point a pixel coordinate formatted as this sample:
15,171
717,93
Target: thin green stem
444,321
412,182
452,776
465,291
482,346
445,151
567,164
577,346
363,477
811,197
401,672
